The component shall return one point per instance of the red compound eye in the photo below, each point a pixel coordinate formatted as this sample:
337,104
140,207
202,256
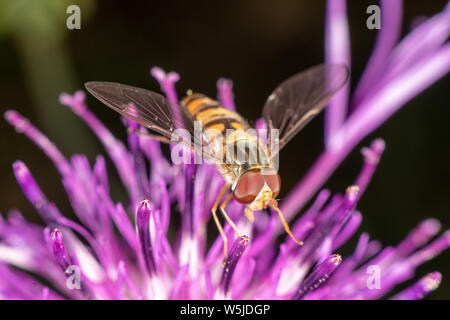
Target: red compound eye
273,180
248,186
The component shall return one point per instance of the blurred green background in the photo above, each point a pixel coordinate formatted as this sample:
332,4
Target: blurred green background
257,44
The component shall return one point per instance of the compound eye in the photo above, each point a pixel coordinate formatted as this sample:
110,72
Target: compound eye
273,180
248,187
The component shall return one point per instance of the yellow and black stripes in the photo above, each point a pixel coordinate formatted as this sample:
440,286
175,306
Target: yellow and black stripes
212,115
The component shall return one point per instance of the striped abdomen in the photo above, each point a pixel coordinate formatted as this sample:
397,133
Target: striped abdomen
241,150
212,114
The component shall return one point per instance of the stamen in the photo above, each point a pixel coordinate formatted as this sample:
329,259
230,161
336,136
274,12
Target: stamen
351,196
350,199
28,185
143,229
355,259
421,288
373,153
59,249
238,249
371,156
319,276
34,194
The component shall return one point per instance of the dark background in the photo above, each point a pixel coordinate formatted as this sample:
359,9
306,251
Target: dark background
257,43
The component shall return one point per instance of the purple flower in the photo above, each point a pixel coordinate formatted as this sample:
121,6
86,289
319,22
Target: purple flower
134,250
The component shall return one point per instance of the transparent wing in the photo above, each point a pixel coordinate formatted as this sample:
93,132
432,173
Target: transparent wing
148,108
297,100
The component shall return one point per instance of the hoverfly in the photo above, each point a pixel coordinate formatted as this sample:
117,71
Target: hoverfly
289,108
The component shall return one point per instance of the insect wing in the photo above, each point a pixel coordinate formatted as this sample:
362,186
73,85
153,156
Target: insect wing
297,100
149,109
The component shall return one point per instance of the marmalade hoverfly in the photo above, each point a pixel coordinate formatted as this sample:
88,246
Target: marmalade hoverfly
255,184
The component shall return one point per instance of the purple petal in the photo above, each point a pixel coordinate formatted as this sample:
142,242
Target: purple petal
371,156
319,276
419,236
225,93
167,83
337,51
387,37
144,211
119,154
421,288
238,249
22,125
59,249
393,95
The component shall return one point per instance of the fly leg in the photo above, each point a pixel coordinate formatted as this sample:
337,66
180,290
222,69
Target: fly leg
222,208
274,206
149,135
216,219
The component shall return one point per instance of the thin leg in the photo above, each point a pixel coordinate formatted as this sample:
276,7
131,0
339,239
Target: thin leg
149,135
219,226
286,226
222,208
